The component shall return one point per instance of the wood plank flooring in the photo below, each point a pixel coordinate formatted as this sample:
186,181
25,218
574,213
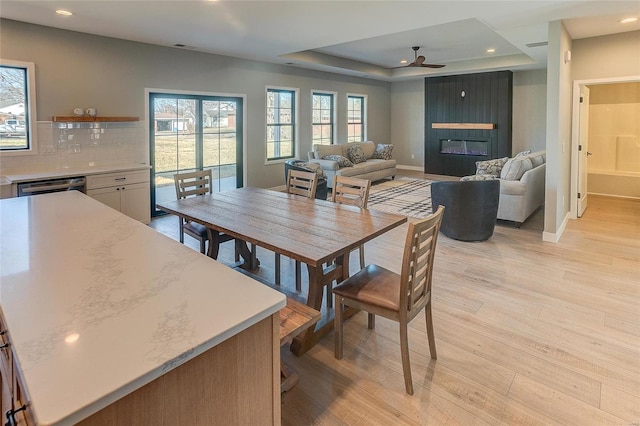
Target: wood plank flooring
527,332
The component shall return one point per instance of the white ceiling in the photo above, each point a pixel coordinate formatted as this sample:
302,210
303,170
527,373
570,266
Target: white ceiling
363,38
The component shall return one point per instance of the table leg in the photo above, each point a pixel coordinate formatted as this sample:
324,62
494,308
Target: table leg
250,261
318,279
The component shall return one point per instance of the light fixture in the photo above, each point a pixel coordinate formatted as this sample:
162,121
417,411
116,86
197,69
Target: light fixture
629,20
404,61
72,338
492,50
462,95
64,12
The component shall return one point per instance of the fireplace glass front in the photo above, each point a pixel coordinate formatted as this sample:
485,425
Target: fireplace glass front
464,147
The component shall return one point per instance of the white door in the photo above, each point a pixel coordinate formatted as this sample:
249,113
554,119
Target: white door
583,143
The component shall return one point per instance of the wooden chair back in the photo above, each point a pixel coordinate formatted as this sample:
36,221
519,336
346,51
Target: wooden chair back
193,183
417,264
349,190
302,183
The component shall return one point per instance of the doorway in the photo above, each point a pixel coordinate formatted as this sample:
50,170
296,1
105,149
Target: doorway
579,176
189,132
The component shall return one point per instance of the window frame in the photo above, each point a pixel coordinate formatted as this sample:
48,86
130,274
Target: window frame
30,109
364,115
294,123
334,132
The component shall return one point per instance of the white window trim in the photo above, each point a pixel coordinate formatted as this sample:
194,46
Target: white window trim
296,111
31,90
334,118
365,135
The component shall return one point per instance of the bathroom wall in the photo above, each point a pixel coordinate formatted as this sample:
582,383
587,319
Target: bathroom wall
614,127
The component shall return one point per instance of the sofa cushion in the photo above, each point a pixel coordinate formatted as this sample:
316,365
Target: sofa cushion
368,147
490,167
322,151
514,168
355,154
341,160
383,151
537,158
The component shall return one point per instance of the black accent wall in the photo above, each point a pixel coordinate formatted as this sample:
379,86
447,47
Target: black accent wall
488,99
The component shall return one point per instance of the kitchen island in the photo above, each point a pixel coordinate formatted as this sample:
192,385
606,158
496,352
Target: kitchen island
109,323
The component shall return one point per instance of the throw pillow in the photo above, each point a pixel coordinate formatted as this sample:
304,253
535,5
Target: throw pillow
342,161
490,167
383,151
479,177
522,154
356,154
536,159
515,168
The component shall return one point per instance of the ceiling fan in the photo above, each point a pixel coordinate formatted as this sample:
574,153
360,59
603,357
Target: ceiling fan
418,61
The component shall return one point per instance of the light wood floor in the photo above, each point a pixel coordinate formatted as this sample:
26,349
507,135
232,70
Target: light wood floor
527,332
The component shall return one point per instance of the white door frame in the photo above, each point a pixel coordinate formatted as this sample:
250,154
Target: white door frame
575,132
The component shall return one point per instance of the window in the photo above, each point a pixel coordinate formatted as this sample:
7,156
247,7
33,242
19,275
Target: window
17,108
281,123
356,115
322,118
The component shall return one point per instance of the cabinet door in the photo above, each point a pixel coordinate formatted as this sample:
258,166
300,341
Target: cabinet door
109,196
5,397
135,201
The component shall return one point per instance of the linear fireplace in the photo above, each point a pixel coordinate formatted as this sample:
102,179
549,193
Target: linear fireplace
464,147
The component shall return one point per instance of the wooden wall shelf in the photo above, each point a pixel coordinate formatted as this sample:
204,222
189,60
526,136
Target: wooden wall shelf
469,126
83,119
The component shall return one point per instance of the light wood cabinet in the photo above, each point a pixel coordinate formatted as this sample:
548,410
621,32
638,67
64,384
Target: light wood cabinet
127,192
14,399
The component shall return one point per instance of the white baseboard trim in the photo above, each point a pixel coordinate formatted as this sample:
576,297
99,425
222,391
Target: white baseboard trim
629,197
416,168
555,237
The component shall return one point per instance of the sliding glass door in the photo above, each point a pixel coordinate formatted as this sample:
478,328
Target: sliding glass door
194,132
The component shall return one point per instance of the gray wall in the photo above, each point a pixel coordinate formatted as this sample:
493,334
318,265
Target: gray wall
80,70
616,55
407,122
529,110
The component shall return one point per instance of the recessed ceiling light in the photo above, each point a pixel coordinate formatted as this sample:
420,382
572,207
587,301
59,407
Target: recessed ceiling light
404,61
64,12
491,50
628,20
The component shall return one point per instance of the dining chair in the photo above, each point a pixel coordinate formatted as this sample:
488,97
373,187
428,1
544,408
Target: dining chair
400,298
305,184
354,192
193,184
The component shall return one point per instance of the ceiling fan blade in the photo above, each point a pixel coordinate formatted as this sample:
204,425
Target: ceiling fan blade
432,65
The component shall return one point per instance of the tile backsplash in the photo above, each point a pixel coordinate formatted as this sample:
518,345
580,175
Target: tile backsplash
69,146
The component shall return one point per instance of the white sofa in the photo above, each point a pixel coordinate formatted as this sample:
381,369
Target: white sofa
519,198
372,169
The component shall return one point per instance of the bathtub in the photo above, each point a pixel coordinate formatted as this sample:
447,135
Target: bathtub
613,182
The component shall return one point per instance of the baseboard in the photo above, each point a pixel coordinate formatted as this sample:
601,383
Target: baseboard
555,237
628,197
416,168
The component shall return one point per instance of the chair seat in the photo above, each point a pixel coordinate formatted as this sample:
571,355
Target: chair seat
373,285
196,228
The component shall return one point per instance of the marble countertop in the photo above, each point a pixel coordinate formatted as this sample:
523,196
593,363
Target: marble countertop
54,174
98,304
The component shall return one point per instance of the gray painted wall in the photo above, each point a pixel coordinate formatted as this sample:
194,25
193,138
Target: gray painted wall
529,110
81,70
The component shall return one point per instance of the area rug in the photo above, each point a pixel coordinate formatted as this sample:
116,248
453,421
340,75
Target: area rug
404,195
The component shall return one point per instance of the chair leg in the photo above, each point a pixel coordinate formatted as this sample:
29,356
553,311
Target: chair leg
406,366
362,265
236,252
337,328
277,268
329,291
203,246
298,276
430,335
214,244
181,231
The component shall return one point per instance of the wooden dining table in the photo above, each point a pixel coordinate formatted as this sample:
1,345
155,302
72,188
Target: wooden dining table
318,233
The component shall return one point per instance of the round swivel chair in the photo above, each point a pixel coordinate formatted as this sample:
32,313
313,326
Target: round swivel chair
471,208
321,189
